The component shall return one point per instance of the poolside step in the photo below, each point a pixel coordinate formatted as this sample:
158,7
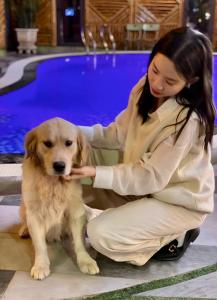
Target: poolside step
10,179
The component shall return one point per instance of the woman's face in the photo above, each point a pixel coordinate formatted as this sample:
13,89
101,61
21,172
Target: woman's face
163,78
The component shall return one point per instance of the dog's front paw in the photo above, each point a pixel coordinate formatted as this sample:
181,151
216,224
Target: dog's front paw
40,271
87,265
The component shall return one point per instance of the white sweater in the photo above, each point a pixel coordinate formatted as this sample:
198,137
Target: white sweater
179,174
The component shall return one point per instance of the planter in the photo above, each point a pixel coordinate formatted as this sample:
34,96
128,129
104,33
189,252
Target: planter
27,38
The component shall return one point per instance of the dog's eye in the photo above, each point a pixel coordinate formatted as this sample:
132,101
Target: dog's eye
48,144
68,143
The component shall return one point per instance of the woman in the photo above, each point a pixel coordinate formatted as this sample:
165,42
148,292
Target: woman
163,188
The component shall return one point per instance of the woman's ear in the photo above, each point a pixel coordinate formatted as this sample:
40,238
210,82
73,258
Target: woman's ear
31,144
83,156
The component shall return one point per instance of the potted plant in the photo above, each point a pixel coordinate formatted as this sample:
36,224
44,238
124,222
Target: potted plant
25,13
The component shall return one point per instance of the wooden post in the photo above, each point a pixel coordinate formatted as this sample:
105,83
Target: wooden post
2,25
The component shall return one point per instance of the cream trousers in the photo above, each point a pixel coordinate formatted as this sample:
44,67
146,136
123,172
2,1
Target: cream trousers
132,229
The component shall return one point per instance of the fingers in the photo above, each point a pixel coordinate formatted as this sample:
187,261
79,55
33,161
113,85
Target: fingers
78,173
71,177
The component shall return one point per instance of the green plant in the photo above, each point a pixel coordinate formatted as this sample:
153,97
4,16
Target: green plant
25,12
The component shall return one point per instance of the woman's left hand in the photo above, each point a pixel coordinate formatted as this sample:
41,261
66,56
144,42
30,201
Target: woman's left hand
78,173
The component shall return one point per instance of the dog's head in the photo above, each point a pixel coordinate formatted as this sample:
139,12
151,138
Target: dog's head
56,146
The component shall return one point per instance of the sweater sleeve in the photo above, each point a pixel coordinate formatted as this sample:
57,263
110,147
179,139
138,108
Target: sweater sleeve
113,136
153,171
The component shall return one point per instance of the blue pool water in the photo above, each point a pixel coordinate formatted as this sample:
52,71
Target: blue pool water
82,89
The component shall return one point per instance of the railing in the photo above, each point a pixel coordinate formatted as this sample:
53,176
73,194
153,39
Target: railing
112,39
105,38
87,40
102,37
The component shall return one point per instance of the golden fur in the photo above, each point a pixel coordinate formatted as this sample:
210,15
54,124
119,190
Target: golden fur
52,206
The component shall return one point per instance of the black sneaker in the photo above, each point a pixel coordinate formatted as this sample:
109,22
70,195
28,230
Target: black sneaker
172,252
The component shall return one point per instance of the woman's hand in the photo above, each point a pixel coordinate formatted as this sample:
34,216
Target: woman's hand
78,173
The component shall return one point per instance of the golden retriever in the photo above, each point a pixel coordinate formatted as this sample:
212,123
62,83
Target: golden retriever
52,206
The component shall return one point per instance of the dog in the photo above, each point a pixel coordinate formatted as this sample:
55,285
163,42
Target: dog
51,206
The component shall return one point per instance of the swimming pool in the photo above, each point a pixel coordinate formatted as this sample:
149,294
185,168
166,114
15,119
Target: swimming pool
83,89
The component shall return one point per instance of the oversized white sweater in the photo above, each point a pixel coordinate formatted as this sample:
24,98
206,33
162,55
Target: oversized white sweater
179,174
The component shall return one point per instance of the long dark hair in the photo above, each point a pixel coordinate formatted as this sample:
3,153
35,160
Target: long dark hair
191,53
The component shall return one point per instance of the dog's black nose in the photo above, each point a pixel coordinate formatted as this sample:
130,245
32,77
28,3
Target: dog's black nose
59,166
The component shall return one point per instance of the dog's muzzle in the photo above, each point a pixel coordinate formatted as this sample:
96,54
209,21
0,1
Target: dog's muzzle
59,166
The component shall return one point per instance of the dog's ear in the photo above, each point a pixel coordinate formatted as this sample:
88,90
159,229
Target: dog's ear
83,156
31,144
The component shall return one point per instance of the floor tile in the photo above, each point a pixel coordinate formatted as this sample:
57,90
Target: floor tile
67,281
15,254
194,258
61,286
5,278
18,254
10,170
208,232
10,200
201,287
9,219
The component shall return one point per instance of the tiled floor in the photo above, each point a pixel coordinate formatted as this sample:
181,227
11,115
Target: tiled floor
66,281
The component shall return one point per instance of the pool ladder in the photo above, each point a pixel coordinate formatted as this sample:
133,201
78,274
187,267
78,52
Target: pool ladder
104,32
88,39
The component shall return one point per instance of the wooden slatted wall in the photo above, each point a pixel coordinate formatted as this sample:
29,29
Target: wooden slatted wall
214,39
118,13
46,21
166,13
2,25
115,14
